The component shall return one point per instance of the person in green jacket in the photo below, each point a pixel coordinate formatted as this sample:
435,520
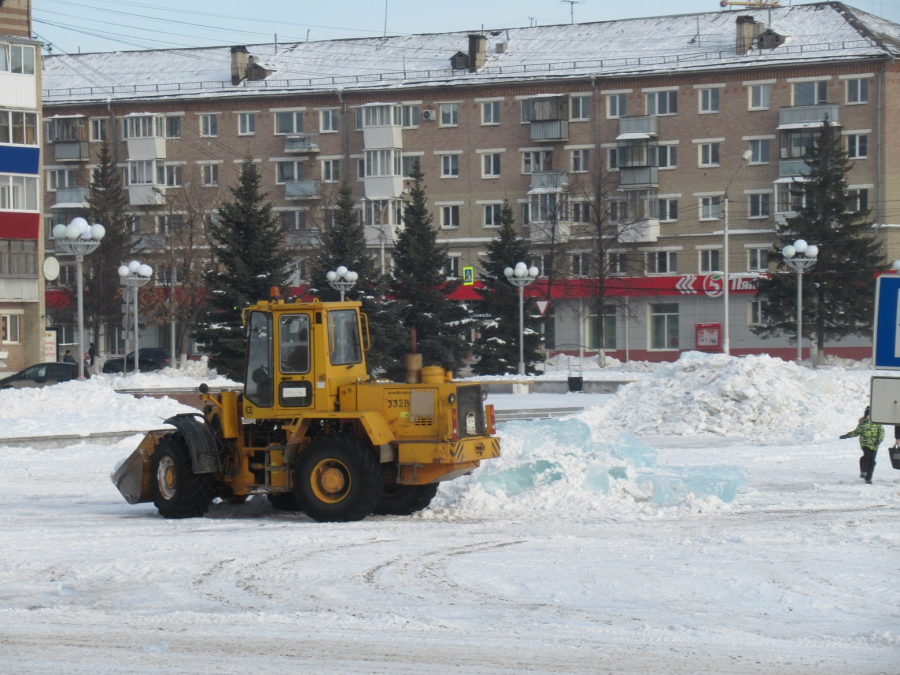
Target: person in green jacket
870,437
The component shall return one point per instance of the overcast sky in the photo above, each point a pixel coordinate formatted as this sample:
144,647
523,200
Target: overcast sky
105,25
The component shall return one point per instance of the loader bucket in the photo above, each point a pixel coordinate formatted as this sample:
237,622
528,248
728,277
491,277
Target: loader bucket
132,477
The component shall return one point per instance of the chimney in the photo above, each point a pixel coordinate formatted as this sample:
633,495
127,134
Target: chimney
744,37
477,51
240,59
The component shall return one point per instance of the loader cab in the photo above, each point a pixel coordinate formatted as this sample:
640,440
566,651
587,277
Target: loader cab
298,354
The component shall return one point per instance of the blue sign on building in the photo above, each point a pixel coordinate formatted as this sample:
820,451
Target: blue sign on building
886,336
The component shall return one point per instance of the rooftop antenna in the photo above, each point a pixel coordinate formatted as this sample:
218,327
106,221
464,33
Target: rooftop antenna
531,21
276,43
756,4
385,17
572,4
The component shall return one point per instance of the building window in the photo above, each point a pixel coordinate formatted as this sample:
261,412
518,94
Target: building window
759,150
580,264
581,212
858,146
384,162
145,126
18,128
18,258
9,328
618,210
709,154
549,208
289,122
18,193
709,100
409,164
360,169
209,126
328,121
617,105
246,124
210,175
451,267
173,126
666,210
759,205
757,312
492,215
759,96
810,93
581,106
759,259
449,166
662,103
331,170
709,261
287,172
410,116
859,200
60,178
536,161
609,330
710,208
450,216
581,161
293,221
858,91
449,114
665,156
662,262
490,165
618,263
168,175
20,60
664,326
791,197
526,213
98,129
164,225
490,112
612,159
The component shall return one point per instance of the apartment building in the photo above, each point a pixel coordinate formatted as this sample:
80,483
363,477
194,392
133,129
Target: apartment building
22,333
664,107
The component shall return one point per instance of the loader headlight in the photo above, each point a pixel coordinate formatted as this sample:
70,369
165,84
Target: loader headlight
451,399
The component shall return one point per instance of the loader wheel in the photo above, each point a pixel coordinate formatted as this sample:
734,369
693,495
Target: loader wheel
284,501
177,491
403,500
337,479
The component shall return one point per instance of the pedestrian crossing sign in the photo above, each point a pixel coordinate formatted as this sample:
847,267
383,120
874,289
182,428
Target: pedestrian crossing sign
468,276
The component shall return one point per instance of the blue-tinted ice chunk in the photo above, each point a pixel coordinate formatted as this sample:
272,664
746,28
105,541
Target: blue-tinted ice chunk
676,483
634,452
562,433
596,479
523,477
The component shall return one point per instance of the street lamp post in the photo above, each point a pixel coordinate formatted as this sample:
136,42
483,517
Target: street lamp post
134,275
800,256
78,238
726,341
342,280
521,276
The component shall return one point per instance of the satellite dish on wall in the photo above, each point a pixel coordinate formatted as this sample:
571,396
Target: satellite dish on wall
51,269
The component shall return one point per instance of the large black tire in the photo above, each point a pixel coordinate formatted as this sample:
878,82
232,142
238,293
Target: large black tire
337,479
110,368
177,491
284,501
403,500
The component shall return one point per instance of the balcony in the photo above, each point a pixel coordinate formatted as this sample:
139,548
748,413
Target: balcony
792,167
383,137
303,189
311,238
146,195
302,143
383,187
643,231
550,130
71,198
71,151
638,127
152,147
638,177
808,116
549,181
549,233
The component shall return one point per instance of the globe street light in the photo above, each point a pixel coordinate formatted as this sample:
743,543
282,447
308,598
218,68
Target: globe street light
342,280
521,276
78,238
799,257
134,275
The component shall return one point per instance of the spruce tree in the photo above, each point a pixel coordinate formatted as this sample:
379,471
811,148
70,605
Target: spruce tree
344,243
107,205
498,345
249,258
838,292
418,281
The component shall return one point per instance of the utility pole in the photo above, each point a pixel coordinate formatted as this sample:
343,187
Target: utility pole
572,4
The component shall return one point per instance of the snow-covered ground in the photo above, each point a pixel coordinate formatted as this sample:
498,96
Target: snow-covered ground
736,538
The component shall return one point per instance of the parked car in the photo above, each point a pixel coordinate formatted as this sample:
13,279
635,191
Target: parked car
42,375
150,359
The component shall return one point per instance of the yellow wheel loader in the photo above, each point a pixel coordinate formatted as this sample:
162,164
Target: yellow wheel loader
311,430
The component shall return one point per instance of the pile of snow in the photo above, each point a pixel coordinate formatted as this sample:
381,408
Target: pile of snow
560,366
563,466
190,376
757,397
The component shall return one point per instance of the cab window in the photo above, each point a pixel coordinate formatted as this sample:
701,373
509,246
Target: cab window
259,385
293,348
343,337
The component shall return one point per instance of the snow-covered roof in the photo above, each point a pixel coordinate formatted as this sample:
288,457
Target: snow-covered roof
697,42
